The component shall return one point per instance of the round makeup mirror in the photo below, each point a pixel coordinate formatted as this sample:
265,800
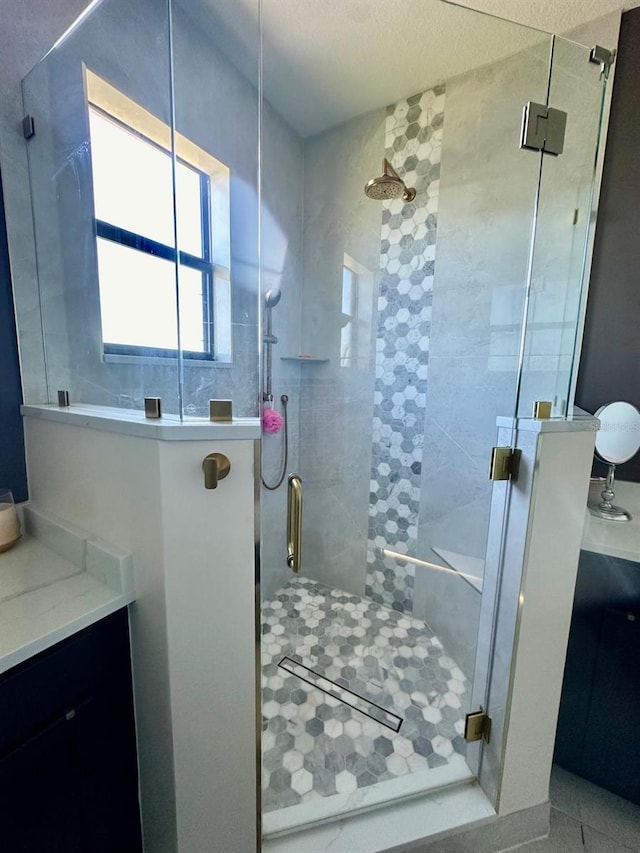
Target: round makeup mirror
617,441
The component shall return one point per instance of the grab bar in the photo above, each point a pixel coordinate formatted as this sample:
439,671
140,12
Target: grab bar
294,523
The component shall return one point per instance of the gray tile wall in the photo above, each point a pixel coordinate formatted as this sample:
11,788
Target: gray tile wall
281,268
336,401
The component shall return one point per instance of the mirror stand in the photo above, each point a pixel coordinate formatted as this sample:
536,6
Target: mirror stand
606,509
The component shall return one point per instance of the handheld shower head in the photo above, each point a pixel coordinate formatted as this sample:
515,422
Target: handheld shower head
389,185
272,297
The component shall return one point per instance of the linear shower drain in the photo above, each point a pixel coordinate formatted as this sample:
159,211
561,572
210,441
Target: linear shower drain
342,694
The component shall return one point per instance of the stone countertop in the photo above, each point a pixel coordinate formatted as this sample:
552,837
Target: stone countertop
615,538
133,422
56,584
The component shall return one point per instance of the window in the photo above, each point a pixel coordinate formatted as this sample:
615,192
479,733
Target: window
357,312
349,312
134,203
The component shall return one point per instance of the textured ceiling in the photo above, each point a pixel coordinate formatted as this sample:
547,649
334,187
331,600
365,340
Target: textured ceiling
556,16
328,60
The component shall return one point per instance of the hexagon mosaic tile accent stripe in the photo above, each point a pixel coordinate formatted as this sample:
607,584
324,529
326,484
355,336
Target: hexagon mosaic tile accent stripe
316,746
407,258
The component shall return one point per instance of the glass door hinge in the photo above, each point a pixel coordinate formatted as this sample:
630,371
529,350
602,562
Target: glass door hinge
543,128
602,56
505,463
477,726
542,410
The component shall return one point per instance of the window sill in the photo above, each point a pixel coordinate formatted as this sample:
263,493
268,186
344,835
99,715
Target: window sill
152,361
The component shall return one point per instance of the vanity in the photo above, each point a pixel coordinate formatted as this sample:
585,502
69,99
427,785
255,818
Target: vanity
597,736
68,761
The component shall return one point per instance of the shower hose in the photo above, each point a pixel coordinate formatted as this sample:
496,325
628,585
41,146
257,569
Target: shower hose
272,487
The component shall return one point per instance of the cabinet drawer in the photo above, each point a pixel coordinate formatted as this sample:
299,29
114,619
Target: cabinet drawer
68,765
35,693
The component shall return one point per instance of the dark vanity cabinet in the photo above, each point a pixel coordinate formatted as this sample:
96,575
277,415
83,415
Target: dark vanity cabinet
68,764
598,734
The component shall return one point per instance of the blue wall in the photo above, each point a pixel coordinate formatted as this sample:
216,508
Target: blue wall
13,474
610,360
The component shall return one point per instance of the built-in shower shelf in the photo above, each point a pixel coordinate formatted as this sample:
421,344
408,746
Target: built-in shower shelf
308,359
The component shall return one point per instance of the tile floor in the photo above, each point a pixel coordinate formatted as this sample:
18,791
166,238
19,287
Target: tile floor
587,819
315,745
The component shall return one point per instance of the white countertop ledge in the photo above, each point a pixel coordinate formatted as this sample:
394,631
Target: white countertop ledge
54,586
615,538
578,421
133,422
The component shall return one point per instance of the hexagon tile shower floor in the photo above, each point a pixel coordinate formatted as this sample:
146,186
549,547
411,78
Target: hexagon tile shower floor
315,744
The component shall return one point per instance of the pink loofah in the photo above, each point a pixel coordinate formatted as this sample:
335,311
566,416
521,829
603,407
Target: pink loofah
271,421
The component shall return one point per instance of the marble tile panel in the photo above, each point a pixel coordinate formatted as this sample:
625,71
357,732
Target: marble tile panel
407,262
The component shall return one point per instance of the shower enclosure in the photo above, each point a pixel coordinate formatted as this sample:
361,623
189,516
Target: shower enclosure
212,222
426,303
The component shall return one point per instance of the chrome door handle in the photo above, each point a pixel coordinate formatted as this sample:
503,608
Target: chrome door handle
294,523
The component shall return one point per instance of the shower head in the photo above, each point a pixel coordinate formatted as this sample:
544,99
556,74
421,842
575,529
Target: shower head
272,297
389,185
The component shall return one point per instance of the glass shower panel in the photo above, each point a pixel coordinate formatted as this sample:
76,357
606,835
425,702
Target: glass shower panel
397,349
216,50
563,232
485,206
103,212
